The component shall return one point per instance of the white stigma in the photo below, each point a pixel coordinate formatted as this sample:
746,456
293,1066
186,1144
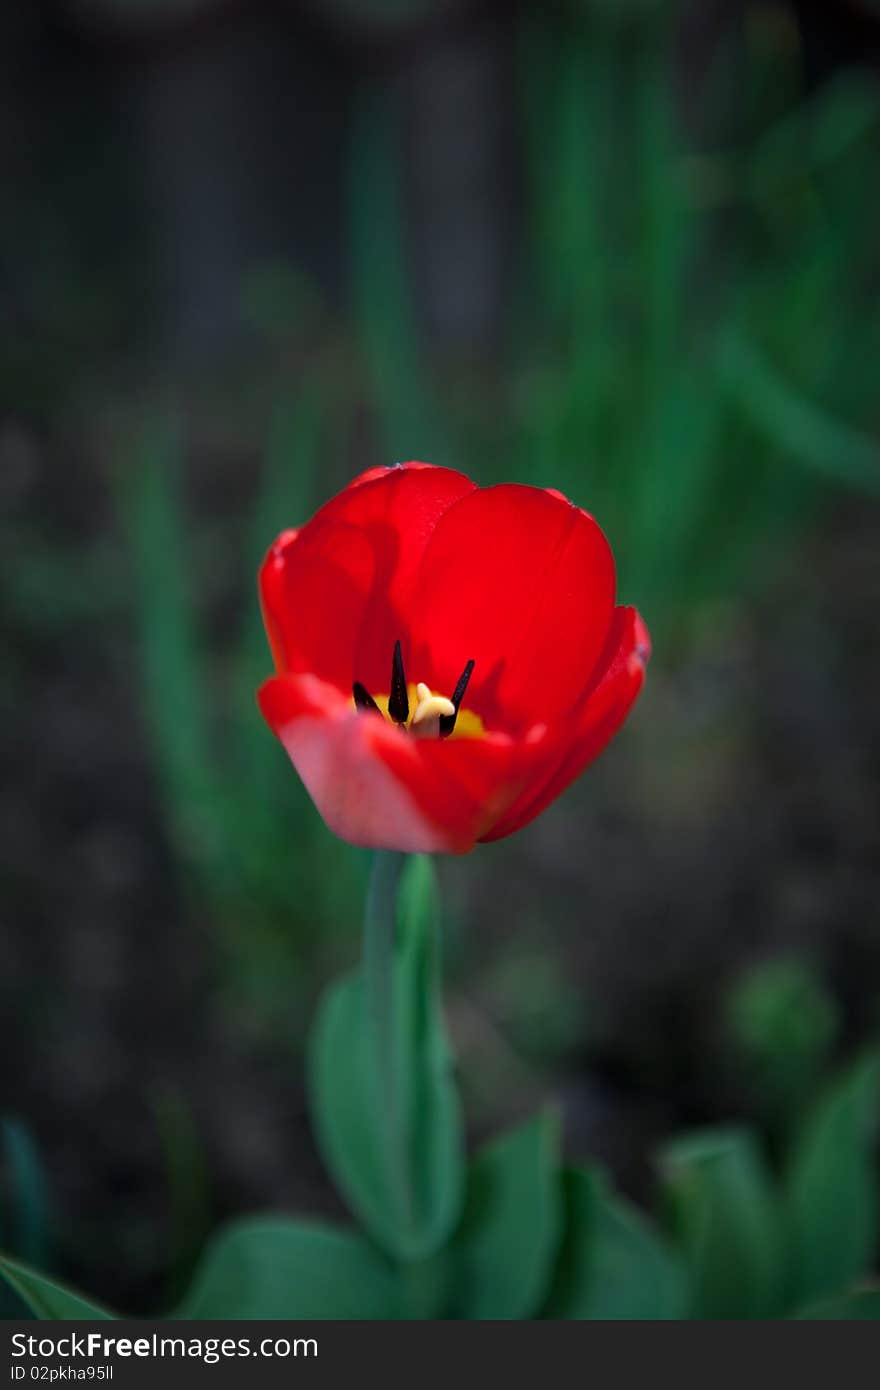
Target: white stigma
425,723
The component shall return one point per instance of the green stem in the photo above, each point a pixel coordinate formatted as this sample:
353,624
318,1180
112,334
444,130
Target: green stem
378,974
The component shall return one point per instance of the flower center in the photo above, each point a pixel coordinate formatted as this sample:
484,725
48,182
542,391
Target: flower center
434,716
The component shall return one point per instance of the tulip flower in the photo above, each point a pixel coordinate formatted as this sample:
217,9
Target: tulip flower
449,658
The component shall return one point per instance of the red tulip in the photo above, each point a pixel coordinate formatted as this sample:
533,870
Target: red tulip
449,657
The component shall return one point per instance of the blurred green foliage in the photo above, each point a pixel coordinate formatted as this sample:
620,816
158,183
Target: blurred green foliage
238,821
673,378
188,1185
25,1208
783,1025
690,349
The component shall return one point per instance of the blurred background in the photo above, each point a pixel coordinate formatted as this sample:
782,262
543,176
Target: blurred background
626,248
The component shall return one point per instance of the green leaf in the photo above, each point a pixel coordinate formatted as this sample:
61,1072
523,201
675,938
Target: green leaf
725,1211
831,1187
24,1207
276,1267
149,493
795,424
612,1264
503,1255
28,1203
409,1200
863,1305
48,1299
188,1187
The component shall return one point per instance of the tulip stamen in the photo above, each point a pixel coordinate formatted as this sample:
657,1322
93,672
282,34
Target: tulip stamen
398,700
363,699
447,721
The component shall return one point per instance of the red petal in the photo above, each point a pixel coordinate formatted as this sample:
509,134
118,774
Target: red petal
522,581
466,784
272,595
378,787
335,603
314,586
593,726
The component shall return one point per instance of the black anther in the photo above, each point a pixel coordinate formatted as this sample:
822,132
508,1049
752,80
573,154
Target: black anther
447,721
398,700
363,699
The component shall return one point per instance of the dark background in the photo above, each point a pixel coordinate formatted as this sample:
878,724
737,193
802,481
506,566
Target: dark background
628,249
